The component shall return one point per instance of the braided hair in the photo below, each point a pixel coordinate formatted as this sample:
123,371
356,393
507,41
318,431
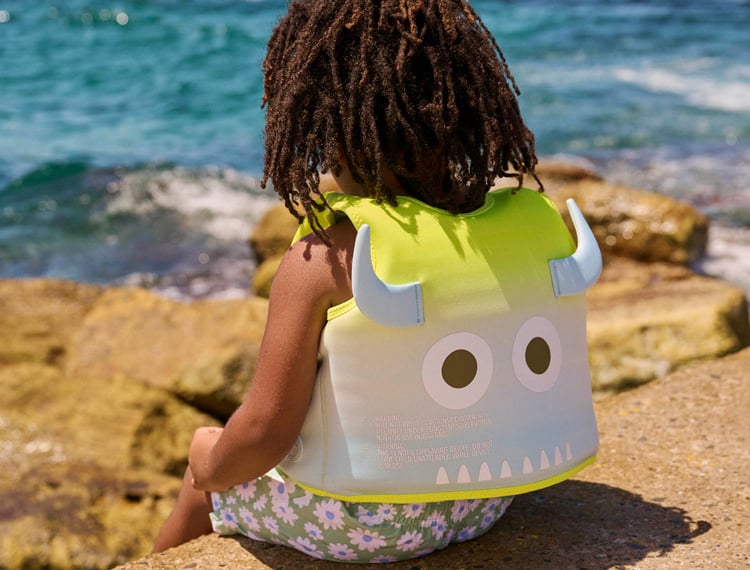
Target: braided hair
417,88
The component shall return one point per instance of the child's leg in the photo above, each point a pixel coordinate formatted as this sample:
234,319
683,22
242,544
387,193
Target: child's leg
189,518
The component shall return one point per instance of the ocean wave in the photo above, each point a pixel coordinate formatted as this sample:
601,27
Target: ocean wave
714,178
179,231
223,203
729,92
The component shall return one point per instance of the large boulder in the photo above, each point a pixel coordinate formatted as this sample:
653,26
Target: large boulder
627,222
87,461
264,274
269,241
273,233
636,224
112,422
202,351
39,316
645,320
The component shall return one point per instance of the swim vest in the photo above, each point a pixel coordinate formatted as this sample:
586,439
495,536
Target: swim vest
459,369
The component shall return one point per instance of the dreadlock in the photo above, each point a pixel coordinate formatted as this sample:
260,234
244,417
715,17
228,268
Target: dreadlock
419,88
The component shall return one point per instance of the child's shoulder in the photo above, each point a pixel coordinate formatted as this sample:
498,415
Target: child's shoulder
319,269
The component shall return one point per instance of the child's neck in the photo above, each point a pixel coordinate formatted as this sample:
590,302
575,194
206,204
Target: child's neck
344,182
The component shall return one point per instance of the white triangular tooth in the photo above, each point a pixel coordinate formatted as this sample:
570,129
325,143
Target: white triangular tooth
558,456
442,477
484,472
463,475
543,460
568,453
505,470
527,466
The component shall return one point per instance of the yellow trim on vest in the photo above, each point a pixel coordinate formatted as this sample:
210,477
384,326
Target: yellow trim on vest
340,309
454,495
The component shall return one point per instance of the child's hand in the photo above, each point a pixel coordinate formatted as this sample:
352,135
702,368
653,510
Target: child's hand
203,442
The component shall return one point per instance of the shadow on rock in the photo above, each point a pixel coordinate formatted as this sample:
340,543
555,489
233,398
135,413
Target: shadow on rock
573,525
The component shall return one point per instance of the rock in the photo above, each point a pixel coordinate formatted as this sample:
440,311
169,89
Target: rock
627,222
639,225
113,422
273,233
263,278
38,317
83,466
554,174
645,320
94,383
72,514
202,351
669,490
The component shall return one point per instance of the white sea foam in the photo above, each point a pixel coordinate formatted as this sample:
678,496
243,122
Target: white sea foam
186,230
728,255
223,203
729,93
713,179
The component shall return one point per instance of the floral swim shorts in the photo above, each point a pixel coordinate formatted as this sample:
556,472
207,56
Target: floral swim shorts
273,509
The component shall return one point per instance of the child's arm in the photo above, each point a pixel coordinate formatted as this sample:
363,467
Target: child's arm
310,279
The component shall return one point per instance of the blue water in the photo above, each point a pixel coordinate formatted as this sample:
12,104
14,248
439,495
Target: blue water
130,131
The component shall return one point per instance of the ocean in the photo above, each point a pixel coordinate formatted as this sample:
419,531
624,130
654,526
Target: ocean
131,130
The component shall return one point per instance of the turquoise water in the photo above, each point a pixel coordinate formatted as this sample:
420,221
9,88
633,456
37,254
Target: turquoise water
130,131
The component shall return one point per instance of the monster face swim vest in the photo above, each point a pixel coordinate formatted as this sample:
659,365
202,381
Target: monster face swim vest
459,369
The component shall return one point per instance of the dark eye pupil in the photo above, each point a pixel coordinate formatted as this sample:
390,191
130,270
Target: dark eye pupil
538,355
459,368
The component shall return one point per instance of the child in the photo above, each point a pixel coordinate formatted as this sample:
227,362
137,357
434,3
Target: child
410,105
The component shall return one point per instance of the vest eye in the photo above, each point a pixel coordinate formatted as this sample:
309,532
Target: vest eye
537,354
457,369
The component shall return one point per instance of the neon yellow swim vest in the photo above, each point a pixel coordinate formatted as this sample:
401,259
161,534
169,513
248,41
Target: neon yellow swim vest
459,369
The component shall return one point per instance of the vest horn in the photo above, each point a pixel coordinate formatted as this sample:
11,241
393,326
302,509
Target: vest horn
386,304
576,273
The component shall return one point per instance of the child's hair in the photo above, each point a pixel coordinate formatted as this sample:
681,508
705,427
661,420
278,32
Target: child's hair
419,88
